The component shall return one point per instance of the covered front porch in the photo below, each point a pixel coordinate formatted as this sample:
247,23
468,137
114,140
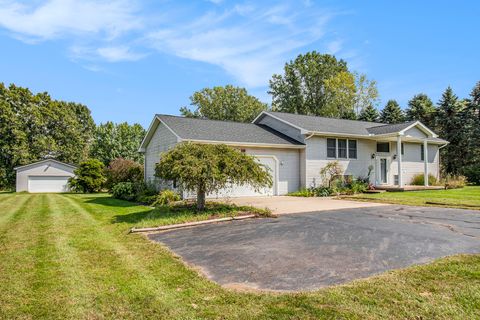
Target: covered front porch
395,166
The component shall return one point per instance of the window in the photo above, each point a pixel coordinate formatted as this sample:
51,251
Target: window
403,149
422,153
352,149
383,147
342,148
331,148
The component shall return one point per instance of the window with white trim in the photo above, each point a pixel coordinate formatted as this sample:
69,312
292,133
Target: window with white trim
341,148
383,147
422,152
331,148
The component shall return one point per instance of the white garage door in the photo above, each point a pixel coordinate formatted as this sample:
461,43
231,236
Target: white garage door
47,183
248,191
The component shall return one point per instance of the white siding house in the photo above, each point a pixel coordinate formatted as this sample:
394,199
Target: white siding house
296,147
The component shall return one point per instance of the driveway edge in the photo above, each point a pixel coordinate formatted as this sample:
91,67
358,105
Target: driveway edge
190,224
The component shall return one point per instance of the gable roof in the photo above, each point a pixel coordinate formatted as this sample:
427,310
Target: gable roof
325,125
316,124
44,161
228,132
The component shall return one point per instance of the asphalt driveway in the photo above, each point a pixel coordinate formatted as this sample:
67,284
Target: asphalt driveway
306,251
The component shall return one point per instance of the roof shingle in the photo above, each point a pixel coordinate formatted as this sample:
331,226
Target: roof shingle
224,131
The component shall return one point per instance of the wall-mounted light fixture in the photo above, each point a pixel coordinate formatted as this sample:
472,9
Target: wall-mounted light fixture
373,155
394,157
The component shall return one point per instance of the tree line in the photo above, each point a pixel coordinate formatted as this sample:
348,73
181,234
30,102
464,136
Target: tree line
34,127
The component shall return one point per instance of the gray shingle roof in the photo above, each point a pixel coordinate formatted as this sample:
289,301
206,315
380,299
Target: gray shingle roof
328,125
227,131
389,128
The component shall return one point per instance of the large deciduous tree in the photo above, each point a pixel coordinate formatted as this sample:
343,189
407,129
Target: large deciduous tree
451,128
206,168
421,108
370,114
114,141
319,84
301,89
392,113
34,126
224,103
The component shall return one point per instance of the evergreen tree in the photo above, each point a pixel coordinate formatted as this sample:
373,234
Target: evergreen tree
392,113
471,124
451,128
369,114
421,108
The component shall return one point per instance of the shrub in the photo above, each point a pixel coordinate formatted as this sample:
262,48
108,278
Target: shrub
166,197
331,172
123,170
89,177
124,191
472,174
148,200
312,192
419,180
358,186
455,182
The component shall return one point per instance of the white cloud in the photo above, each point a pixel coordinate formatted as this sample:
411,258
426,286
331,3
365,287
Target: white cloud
249,44
61,18
250,40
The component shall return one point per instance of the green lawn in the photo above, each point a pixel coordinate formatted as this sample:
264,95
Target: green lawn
468,197
70,257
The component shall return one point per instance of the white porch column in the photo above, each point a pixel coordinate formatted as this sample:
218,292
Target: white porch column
399,161
425,161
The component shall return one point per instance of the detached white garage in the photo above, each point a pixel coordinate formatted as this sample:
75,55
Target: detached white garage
44,176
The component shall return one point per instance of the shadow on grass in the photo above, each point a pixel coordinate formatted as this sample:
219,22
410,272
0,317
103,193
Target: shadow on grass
112,202
136,217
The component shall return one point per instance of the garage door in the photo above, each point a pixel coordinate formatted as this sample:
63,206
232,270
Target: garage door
47,183
248,191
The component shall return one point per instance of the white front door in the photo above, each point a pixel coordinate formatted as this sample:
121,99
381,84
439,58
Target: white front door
382,172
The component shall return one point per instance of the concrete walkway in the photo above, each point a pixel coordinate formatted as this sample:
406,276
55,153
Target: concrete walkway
285,204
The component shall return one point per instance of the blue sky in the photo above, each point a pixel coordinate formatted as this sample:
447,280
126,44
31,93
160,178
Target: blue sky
129,59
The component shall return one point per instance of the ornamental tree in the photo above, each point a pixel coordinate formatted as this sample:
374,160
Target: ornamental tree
207,168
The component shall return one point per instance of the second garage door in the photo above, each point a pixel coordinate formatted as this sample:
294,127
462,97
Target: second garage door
47,184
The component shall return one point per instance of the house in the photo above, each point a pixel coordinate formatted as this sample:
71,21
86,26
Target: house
296,147
44,176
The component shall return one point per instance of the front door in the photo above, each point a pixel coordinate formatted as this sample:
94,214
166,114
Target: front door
383,171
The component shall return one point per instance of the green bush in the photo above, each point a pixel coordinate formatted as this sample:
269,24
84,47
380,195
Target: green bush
89,177
472,173
312,192
419,180
124,191
166,197
148,200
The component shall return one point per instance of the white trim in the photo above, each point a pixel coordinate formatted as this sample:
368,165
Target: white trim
399,161
425,162
149,136
424,127
43,161
378,168
247,144
302,130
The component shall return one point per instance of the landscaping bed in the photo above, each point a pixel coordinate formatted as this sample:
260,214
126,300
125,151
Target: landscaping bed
183,212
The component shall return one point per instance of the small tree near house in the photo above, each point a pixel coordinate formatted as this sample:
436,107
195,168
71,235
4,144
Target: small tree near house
206,168
332,171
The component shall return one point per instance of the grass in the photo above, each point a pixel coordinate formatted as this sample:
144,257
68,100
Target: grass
70,257
186,212
467,197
